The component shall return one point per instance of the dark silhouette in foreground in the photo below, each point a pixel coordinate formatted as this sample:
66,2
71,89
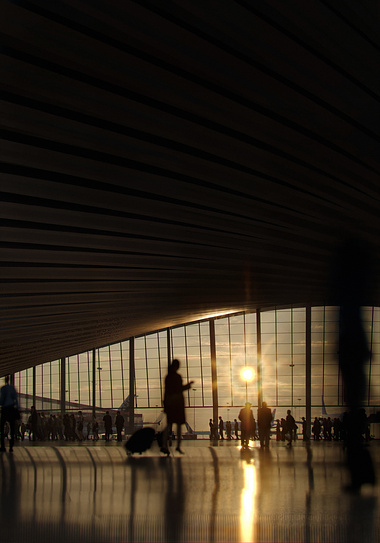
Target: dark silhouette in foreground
247,426
9,413
264,419
174,405
352,287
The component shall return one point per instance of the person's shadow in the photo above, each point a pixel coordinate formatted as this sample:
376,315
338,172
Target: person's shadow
174,499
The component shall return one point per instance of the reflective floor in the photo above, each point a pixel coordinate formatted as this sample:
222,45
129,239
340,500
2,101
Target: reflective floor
94,493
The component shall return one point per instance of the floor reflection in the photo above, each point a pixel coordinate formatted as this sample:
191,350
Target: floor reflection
214,494
248,505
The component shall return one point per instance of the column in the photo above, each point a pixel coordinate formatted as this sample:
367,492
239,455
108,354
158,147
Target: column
93,382
213,373
308,370
131,404
63,386
168,346
259,365
34,387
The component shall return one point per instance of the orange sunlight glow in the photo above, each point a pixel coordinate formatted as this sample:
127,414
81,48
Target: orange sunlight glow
247,374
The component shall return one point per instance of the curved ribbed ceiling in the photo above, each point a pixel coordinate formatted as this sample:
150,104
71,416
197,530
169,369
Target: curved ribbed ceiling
165,161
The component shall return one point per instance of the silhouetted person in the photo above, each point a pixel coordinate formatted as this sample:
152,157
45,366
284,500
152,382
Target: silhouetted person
119,423
215,430
211,426
264,421
9,413
221,428
290,426
34,424
278,431
247,424
22,430
174,405
316,429
88,429
107,425
337,429
236,429
229,429
73,427
351,289
305,437
66,427
80,425
95,429
329,426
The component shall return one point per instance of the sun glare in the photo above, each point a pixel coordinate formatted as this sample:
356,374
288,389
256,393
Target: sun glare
247,374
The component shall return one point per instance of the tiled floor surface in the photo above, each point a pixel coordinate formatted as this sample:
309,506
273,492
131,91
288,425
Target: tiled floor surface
93,493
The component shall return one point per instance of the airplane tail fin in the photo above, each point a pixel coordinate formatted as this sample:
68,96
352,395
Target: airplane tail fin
189,428
324,412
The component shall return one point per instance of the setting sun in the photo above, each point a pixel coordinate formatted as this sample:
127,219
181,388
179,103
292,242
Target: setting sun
247,374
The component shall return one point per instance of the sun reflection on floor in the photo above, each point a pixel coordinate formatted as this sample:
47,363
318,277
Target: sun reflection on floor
248,498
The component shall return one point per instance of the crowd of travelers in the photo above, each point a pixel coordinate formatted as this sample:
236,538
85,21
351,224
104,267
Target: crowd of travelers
285,429
40,426
335,429
251,429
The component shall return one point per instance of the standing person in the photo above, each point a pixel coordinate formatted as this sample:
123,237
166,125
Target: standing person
304,430
107,425
80,426
59,426
73,427
174,405
264,420
290,426
228,429
211,426
88,429
236,429
221,428
278,431
22,430
9,413
119,423
248,425
316,429
95,429
66,427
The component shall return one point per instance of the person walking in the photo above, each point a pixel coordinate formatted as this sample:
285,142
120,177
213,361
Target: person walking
278,431
174,405
236,425
264,420
119,423
305,437
9,413
316,429
80,426
95,429
229,430
221,428
107,425
290,427
247,426
211,426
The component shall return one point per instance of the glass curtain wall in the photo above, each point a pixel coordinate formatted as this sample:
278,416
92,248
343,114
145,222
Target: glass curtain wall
283,350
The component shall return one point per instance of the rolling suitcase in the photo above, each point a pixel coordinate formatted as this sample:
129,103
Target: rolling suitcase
140,441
